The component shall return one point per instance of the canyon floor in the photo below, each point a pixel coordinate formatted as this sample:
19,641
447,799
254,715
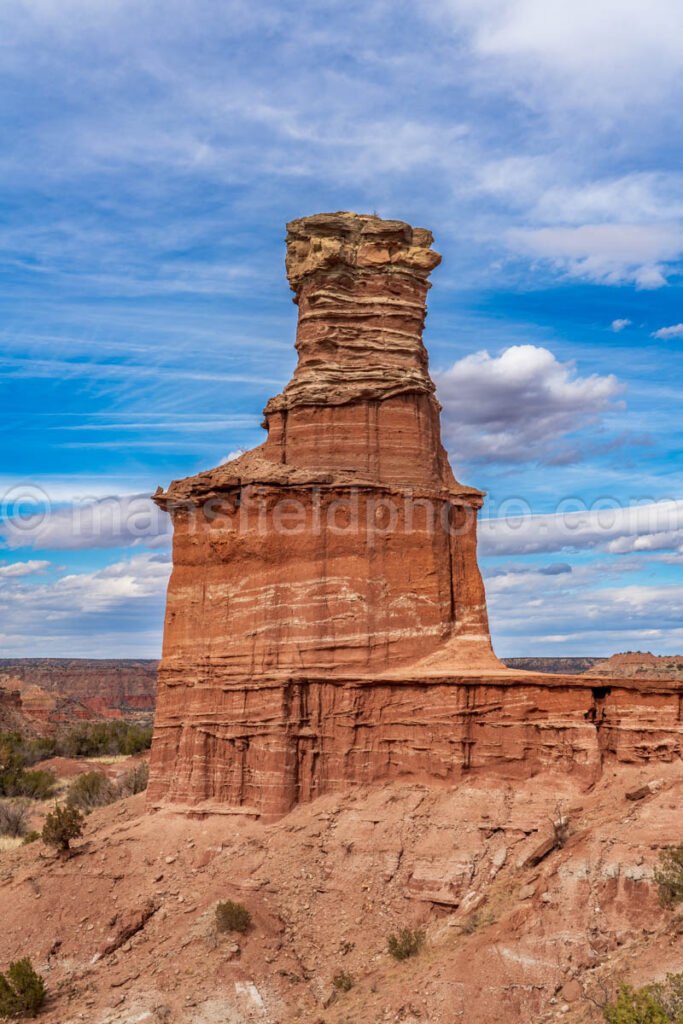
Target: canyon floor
123,929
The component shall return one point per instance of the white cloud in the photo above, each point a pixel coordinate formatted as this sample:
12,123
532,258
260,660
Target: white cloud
654,526
610,254
517,406
594,610
16,569
114,521
611,54
620,325
675,331
115,611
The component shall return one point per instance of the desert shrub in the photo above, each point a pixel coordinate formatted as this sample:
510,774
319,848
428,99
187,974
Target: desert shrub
22,990
669,876
560,825
99,739
36,785
14,818
24,751
407,943
232,917
62,826
16,755
31,837
479,919
90,790
135,780
343,982
660,1003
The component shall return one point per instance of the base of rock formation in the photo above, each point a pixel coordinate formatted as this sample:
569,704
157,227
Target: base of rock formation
269,745
517,929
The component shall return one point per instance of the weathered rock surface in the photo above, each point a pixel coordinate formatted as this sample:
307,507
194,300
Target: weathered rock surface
326,620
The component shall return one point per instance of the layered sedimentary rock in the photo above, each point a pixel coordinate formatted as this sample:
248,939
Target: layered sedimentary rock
326,619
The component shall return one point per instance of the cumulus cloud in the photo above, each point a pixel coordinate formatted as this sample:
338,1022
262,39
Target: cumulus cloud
518,406
117,609
592,611
115,521
675,331
655,526
620,325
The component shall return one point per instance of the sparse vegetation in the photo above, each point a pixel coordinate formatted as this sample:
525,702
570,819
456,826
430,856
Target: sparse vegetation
343,982
85,739
62,826
560,823
660,1003
91,790
407,943
479,919
669,876
14,818
15,780
135,780
30,837
99,739
232,917
22,990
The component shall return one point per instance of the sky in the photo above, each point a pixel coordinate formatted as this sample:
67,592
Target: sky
152,154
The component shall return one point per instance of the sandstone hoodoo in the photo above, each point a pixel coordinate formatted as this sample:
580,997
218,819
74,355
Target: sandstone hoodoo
326,619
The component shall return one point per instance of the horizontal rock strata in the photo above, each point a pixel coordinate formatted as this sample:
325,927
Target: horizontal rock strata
269,746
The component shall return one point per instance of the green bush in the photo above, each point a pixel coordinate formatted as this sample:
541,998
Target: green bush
31,837
343,982
407,943
37,785
22,990
232,917
660,1003
62,826
669,876
91,790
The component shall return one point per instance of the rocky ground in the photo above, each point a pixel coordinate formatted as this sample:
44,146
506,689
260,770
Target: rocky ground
516,930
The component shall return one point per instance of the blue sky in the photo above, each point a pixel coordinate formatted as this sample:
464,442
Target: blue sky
151,155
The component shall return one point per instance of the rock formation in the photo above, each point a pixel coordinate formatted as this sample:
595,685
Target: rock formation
326,619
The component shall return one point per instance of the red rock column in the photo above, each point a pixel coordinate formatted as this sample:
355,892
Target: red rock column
343,546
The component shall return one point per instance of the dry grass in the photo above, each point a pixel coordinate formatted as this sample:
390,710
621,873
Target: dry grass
9,843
